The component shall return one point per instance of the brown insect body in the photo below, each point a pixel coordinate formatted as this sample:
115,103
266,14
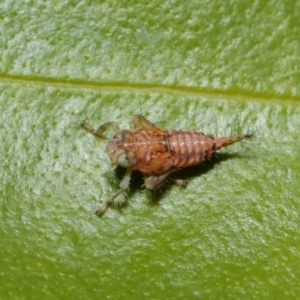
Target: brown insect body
157,152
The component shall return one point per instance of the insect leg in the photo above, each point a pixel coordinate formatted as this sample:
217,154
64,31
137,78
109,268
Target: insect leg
181,182
123,186
155,182
140,122
101,129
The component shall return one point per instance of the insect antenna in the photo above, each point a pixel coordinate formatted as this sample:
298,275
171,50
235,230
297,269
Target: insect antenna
180,124
140,105
225,131
216,129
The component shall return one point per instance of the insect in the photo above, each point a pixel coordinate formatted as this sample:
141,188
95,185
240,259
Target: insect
156,152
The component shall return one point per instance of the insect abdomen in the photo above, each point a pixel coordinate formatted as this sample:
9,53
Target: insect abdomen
190,148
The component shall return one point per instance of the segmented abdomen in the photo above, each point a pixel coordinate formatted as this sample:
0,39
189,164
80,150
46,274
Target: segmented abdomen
190,148
160,151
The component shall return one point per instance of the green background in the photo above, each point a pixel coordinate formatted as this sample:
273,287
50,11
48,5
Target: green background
216,66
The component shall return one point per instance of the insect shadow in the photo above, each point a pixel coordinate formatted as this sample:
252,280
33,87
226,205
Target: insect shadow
185,174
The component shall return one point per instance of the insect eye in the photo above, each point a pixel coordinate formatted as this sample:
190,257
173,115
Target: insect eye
126,160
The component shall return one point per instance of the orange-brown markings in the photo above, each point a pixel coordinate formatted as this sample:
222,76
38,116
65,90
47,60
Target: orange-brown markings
156,152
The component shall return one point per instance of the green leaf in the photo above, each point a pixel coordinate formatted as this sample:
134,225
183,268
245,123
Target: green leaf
220,67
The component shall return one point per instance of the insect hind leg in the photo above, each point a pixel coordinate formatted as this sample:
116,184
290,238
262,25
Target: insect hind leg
101,129
154,182
181,182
